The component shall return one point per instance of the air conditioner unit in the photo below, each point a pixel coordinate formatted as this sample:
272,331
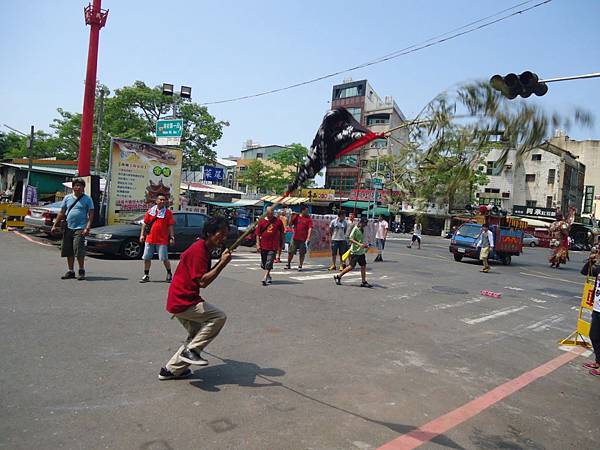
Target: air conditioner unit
508,166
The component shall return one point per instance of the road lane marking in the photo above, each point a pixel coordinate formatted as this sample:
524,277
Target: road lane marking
325,276
493,315
550,278
443,306
450,420
513,288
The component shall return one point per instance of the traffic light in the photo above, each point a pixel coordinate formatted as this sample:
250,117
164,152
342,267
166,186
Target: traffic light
513,85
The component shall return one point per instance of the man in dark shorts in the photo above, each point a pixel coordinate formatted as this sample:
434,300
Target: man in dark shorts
269,239
78,210
303,226
202,321
358,250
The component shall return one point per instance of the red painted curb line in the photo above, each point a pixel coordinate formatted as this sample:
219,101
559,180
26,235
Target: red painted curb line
442,424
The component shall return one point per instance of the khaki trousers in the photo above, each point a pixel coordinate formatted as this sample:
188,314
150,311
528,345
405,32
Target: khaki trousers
203,323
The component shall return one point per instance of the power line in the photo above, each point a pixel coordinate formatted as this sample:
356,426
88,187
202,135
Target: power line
402,52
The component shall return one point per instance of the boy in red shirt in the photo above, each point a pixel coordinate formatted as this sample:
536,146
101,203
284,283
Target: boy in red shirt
303,226
202,321
158,232
269,237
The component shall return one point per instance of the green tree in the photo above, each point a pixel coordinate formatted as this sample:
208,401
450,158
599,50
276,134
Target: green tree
292,156
256,176
9,143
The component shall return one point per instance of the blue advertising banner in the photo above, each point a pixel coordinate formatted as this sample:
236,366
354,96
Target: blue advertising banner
213,173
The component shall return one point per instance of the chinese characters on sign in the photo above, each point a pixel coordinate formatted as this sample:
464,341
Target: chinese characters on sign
534,211
139,172
318,194
214,174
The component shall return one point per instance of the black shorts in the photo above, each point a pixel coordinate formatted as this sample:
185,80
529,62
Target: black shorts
338,247
73,244
266,259
360,259
416,238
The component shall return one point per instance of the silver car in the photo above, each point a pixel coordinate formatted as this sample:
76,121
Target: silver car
41,218
530,240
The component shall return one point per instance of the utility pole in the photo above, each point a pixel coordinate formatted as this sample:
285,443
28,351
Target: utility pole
95,16
29,165
99,132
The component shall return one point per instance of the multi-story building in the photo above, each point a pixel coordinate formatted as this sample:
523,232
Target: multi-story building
588,153
253,152
548,177
361,100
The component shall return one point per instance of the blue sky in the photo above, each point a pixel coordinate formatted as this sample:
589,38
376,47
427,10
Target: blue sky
227,49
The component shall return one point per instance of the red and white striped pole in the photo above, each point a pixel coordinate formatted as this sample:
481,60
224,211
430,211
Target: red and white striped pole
96,18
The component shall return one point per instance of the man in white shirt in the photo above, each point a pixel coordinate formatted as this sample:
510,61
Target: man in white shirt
380,237
416,235
338,228
486,243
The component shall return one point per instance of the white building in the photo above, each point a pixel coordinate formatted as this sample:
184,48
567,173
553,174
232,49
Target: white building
548,177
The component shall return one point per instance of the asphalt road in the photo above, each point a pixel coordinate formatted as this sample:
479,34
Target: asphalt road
300,364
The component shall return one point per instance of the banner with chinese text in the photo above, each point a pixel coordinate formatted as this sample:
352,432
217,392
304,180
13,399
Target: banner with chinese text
139,172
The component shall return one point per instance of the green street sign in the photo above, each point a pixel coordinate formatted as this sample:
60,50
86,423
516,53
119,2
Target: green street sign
377,183
169,128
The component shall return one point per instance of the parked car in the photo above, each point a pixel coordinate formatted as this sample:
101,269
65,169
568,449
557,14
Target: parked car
123,239
41,218
530,240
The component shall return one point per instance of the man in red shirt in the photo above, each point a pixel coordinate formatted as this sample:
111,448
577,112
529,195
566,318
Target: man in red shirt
303,226
158,232
202,321
269,239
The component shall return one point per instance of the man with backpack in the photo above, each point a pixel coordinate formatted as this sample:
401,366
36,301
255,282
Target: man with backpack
157,233
77,210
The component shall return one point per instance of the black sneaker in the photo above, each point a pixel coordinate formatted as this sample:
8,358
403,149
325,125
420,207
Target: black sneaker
145,279
81,275
299,268
69,275
337,279
165,374
169,277
287,267
269,280
365,284
192,357
264,282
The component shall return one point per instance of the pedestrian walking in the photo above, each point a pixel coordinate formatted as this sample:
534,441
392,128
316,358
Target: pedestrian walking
77,210
485,242
281,216
269,239
201,320
303,226
592,269
380,237
358,249
157,233
416,235
338,228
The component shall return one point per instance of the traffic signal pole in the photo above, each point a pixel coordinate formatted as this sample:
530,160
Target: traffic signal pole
574,77
95,16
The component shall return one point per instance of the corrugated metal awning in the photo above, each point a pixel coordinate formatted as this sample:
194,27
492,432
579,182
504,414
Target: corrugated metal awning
280,199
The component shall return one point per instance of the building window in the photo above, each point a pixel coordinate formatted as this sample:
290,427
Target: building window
549,201
344,184
492,190
551,176
531,203
506,195
378,119
536,157
530,177
259,156
355,113
354,91
379,143
493,169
